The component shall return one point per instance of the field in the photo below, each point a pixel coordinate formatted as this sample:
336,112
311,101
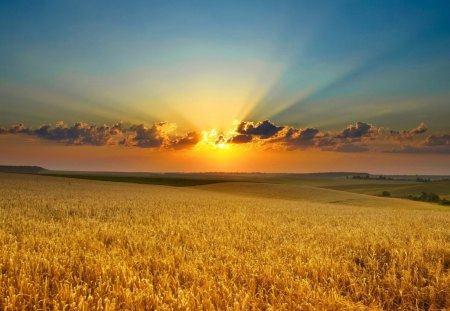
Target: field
398,189
398,186
91,244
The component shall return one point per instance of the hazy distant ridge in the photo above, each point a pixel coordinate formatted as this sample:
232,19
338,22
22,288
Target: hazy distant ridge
21,169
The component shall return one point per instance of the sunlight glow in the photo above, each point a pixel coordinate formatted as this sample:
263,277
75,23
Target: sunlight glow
221,146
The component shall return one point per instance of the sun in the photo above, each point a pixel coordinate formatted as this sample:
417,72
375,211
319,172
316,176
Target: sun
214,139
221,146
218,141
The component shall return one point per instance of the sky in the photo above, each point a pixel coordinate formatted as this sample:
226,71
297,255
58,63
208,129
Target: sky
241,86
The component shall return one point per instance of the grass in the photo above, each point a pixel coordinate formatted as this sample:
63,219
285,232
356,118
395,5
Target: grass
86,245
334,181
398,189
167,181
302,193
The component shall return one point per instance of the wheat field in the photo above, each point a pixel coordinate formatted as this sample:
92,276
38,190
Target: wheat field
90,245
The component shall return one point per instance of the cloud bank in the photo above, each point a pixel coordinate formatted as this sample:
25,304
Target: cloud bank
138,135
358,137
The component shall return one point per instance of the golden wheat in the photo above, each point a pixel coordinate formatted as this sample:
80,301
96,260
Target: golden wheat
70,244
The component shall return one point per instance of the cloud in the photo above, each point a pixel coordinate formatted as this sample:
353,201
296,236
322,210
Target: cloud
186,141
220,140
268,134
117,129
145,137
437,143
240,139
357,131
159,135
78,134
408,135
438,140
298,138
420,129
17,129
358,137
263,129
156,136
353,138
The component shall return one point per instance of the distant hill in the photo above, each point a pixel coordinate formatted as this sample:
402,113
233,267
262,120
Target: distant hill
21,169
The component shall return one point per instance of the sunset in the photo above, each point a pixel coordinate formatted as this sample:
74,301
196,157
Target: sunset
213,155
324,78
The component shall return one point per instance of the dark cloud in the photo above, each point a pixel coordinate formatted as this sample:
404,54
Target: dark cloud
292,138
437,144
145,137
307,134
84,134
351,139
18,129
407,135
331,142
156,136
298,138
220,140
117,129
438,140
263,130
357,131
78,134
240,139
420,129
186,141
327,141
268,133
358,137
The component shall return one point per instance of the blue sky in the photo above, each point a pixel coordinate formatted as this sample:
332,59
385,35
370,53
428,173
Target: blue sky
207,65
311,56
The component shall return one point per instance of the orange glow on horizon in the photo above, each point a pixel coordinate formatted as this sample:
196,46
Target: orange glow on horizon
204,158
